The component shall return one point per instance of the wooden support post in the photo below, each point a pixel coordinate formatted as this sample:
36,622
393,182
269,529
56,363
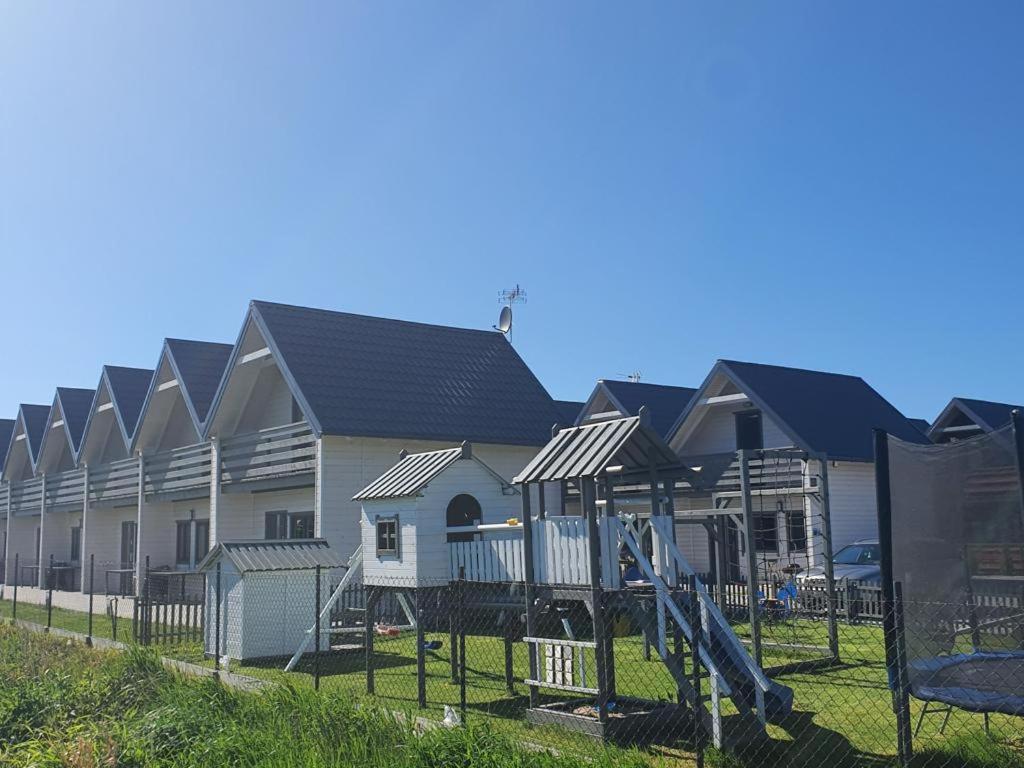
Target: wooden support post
541,503
530,591
827,564
40,571
722,575
510,678
751,547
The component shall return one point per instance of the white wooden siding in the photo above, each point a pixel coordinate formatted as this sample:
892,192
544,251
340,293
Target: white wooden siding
350,464
716,432
243,515
852,502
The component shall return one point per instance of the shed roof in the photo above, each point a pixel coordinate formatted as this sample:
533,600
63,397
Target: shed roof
415,471
588,450
823,413
274,555
374,377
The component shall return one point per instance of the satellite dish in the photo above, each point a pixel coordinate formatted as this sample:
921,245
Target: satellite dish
505,320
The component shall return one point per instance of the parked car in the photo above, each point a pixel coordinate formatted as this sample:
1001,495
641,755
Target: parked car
859,561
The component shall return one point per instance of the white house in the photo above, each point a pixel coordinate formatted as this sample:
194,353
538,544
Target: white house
269,438
827,417
24,494
965,417
410,510
614,399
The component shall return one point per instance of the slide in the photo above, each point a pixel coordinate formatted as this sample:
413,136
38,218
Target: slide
722,653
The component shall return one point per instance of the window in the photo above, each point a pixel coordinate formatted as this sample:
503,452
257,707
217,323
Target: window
766,533
183,543
288,525
749,432
796,531
858,554
129,531
192,542
387,535
463,510
76,544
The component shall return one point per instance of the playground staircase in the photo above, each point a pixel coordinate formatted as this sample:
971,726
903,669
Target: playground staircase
732,672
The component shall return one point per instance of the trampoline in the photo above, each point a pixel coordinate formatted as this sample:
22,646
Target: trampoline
977,682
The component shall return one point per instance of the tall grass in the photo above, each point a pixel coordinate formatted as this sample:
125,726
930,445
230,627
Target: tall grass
65,705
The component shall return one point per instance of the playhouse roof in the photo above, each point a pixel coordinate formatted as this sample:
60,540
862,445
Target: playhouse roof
274,555
589,450
364,376
414,471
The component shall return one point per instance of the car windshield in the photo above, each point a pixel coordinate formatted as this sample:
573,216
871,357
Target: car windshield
857,554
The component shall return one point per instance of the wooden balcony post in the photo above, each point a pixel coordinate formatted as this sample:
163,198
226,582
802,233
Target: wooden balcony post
214,491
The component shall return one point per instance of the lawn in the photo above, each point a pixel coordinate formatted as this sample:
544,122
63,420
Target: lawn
842,714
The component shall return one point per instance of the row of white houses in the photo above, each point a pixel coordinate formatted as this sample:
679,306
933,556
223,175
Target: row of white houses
273,436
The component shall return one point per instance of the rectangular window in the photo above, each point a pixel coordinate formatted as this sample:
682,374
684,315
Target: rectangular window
129,533
288,525
766,533
183,543
796,531
387,535
202,540
749,431
76,544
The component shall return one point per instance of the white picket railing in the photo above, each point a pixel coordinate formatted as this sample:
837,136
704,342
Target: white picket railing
560,555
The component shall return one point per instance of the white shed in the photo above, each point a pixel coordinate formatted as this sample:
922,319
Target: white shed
267,595
415,512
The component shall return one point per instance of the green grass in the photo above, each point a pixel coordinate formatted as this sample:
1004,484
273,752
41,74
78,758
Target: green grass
842,714
62,704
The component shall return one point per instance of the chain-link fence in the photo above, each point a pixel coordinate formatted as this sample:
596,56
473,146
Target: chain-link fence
461,651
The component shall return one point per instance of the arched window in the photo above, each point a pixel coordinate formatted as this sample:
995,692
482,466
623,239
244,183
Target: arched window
462,510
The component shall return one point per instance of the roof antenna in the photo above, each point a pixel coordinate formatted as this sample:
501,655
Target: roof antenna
508,297
633,378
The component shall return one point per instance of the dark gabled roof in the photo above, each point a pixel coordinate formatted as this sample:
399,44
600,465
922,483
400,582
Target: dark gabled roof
987,414
34,418
664,402
274,555
372,377
589,450
922,425
200,364
6,433
568,411
824,413
128,388
74,405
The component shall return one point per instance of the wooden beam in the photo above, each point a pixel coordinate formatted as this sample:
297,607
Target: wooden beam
739,397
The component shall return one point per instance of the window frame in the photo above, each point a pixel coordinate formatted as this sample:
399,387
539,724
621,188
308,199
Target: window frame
76,543
287,519
791,514
393,522
738,417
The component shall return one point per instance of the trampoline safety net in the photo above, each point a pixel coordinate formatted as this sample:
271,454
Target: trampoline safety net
958,552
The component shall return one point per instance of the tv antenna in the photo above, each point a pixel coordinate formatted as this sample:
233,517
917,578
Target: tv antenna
508,297
633,377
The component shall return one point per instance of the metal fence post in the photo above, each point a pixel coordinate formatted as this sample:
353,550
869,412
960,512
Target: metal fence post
216,623
695,705
421,653
92,573
316,625
462,644
49,594
17,578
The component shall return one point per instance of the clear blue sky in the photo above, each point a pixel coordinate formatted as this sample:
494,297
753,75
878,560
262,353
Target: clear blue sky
812,184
